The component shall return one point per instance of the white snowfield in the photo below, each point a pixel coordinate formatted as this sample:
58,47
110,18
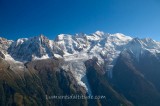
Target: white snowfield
76,49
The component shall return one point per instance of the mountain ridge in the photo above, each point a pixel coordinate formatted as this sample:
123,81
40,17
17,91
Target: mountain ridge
65,44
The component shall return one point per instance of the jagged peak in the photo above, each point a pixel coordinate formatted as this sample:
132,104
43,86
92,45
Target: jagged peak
5,41
60,37
143,41
121,36
39,37
100,33
2,39
63,36
148,40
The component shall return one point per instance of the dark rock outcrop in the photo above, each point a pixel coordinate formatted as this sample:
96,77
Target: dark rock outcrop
36,85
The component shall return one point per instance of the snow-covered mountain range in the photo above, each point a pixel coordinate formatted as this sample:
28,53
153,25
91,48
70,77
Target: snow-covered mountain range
79,46
75,50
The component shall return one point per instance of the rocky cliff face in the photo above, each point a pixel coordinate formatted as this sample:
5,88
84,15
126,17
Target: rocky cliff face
37,83
28,49
133,82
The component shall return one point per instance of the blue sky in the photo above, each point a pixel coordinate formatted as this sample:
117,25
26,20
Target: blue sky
25,18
